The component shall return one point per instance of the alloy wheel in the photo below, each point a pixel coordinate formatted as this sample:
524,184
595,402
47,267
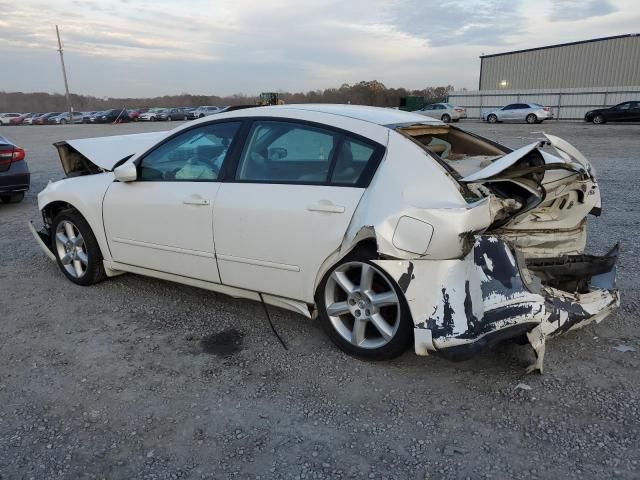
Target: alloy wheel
362,305
71,249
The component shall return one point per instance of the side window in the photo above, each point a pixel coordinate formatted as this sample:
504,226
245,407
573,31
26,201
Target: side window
624,106
195,155
352,158
286,152
510,107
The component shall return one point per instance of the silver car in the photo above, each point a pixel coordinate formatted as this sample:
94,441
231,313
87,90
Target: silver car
519,112
446,112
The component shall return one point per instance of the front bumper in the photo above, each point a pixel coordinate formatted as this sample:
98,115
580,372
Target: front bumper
460,307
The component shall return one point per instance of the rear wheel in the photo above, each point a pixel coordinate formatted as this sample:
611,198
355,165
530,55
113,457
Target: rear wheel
599,119
76,249
363,311
492,118
532,118
15,197
446,118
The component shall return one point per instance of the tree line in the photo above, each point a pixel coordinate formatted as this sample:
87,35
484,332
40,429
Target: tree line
362,93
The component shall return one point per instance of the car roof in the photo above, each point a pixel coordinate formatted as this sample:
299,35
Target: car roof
378,115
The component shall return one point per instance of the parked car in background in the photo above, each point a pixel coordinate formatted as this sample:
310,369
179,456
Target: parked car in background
150,115
45,119
21,119
30,120
86,116
14,172
136,112
519,112
115,115
203,111
63,118
347,212
5,118
623,112
443,111
170,114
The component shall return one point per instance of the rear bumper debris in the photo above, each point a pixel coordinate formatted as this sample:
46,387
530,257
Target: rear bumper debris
460,307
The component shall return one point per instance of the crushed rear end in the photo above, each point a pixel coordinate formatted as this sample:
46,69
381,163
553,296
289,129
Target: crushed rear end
526,275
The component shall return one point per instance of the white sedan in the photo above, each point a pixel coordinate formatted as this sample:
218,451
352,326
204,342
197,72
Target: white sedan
446,112
390,227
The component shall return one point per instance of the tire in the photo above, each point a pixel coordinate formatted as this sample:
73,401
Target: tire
531,119
446,118
492,118
356,324
63,122
599,120
185,118
76,249
169,118
15,197
153,119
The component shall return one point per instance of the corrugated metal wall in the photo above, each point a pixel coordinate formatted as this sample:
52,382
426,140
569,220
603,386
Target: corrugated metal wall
567,103
601,63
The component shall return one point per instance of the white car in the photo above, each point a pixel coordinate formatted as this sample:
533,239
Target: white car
388,226
150,115
446,112
5,118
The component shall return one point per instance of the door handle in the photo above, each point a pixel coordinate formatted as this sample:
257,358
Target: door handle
195,200
325,206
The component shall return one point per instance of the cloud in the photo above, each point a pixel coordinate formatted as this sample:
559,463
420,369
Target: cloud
573,10
156,47
460,22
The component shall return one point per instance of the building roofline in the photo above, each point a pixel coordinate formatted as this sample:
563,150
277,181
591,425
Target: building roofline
561,45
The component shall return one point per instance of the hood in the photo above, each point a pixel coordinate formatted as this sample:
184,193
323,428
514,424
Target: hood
96,155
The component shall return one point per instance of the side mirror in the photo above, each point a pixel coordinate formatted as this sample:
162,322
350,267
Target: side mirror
127,172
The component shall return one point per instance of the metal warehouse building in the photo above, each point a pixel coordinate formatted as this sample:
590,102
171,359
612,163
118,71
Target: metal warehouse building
571,77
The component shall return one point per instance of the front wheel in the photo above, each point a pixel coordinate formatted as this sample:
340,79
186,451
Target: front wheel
446,118
363,311
76,249
599,120
492,119
532,118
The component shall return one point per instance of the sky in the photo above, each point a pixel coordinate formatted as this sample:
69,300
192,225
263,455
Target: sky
143,48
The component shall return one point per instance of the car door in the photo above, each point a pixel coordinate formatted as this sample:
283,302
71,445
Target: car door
507,113
634,112
294,191
618,113
163,220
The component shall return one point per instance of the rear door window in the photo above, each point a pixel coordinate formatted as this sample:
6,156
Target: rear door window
292,152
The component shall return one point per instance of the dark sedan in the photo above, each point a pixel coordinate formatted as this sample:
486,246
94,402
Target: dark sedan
116,115
623,112
14,173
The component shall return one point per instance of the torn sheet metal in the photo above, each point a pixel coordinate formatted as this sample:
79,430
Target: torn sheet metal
460,307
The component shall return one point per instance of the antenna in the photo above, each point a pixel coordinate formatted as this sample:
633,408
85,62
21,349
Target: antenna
64,75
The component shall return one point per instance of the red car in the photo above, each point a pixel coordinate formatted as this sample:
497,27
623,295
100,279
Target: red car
20,120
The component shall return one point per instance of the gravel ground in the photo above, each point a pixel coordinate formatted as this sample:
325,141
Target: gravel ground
140,378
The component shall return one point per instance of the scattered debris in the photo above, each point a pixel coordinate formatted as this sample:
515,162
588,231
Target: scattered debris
522,386
451,450
624,348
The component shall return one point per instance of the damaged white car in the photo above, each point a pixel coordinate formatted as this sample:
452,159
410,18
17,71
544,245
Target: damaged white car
389,226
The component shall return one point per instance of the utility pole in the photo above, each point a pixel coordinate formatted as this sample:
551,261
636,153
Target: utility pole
64,75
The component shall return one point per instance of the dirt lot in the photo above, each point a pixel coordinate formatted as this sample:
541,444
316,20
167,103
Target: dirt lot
140,378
